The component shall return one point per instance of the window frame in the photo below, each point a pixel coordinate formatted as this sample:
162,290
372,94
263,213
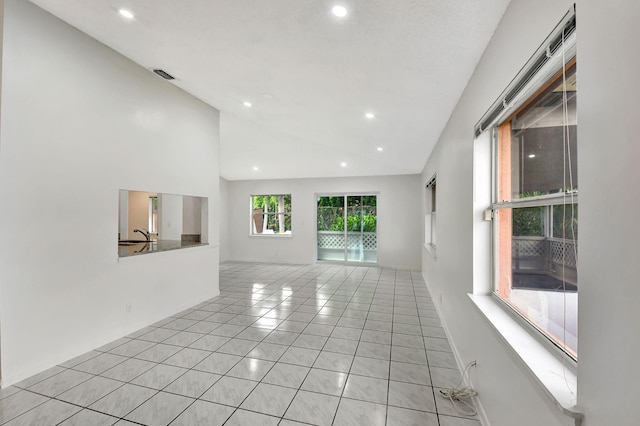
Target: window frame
568,197
252,217
553,369
430,217
153,214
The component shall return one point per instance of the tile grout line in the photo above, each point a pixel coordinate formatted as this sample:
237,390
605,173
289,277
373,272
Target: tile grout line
288,346
433,391
315,360
232,295
393,308
353,360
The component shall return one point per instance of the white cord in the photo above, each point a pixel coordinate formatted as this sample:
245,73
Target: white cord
566,142
460,395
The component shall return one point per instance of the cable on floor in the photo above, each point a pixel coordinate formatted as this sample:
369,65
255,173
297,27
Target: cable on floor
460,396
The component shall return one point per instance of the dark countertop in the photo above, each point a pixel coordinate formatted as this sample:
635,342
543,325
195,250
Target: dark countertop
133,249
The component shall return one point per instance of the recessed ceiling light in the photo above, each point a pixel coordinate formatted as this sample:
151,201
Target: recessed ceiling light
255,168
247,104
343,164
339,11
126,13
380,149
370,115
532,156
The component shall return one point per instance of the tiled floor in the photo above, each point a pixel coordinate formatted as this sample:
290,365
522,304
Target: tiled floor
282,345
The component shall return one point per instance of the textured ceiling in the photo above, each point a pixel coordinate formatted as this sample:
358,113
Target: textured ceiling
309,75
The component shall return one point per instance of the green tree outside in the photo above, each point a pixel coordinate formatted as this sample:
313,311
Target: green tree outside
361,214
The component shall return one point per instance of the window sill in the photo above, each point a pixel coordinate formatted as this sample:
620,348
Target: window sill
271,235
556,376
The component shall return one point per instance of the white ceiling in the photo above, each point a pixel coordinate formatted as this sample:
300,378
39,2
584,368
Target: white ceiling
309,75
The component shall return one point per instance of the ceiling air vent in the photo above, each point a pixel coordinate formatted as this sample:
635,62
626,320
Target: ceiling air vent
164,74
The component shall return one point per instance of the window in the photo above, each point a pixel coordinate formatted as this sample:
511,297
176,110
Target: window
271,214
535,208
430,216
347,228
534,197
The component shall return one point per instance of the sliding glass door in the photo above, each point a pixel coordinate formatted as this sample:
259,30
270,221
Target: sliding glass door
331,233
347,228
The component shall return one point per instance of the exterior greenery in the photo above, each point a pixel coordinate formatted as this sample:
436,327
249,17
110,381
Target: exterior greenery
529,221
366,223
565,221
275,211
361,214
270,203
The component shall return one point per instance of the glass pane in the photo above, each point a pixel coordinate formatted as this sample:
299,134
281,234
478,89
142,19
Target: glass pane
272,203
330,214
529,221
370,227
355,246
433,228
331,242
359,221
278,223
354,214
565,221
433,198
536,272
538,147
271,214
369,213
361,228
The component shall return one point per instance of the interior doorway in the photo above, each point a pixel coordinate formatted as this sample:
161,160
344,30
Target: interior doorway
347,229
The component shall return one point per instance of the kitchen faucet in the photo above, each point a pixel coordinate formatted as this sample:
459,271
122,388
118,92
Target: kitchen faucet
144,232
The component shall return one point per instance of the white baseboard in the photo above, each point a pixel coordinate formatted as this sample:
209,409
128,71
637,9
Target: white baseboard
482,415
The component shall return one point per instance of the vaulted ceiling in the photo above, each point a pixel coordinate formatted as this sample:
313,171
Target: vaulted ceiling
310,76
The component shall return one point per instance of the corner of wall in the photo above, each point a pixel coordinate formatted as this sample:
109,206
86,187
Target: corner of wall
223,223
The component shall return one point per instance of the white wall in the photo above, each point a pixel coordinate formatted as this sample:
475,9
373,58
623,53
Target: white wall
399,221
170,209
608,153
79,123
224,220
508,393
123,215
1,56
191,214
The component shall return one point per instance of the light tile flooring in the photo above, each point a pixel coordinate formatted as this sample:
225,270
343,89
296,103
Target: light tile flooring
281,345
